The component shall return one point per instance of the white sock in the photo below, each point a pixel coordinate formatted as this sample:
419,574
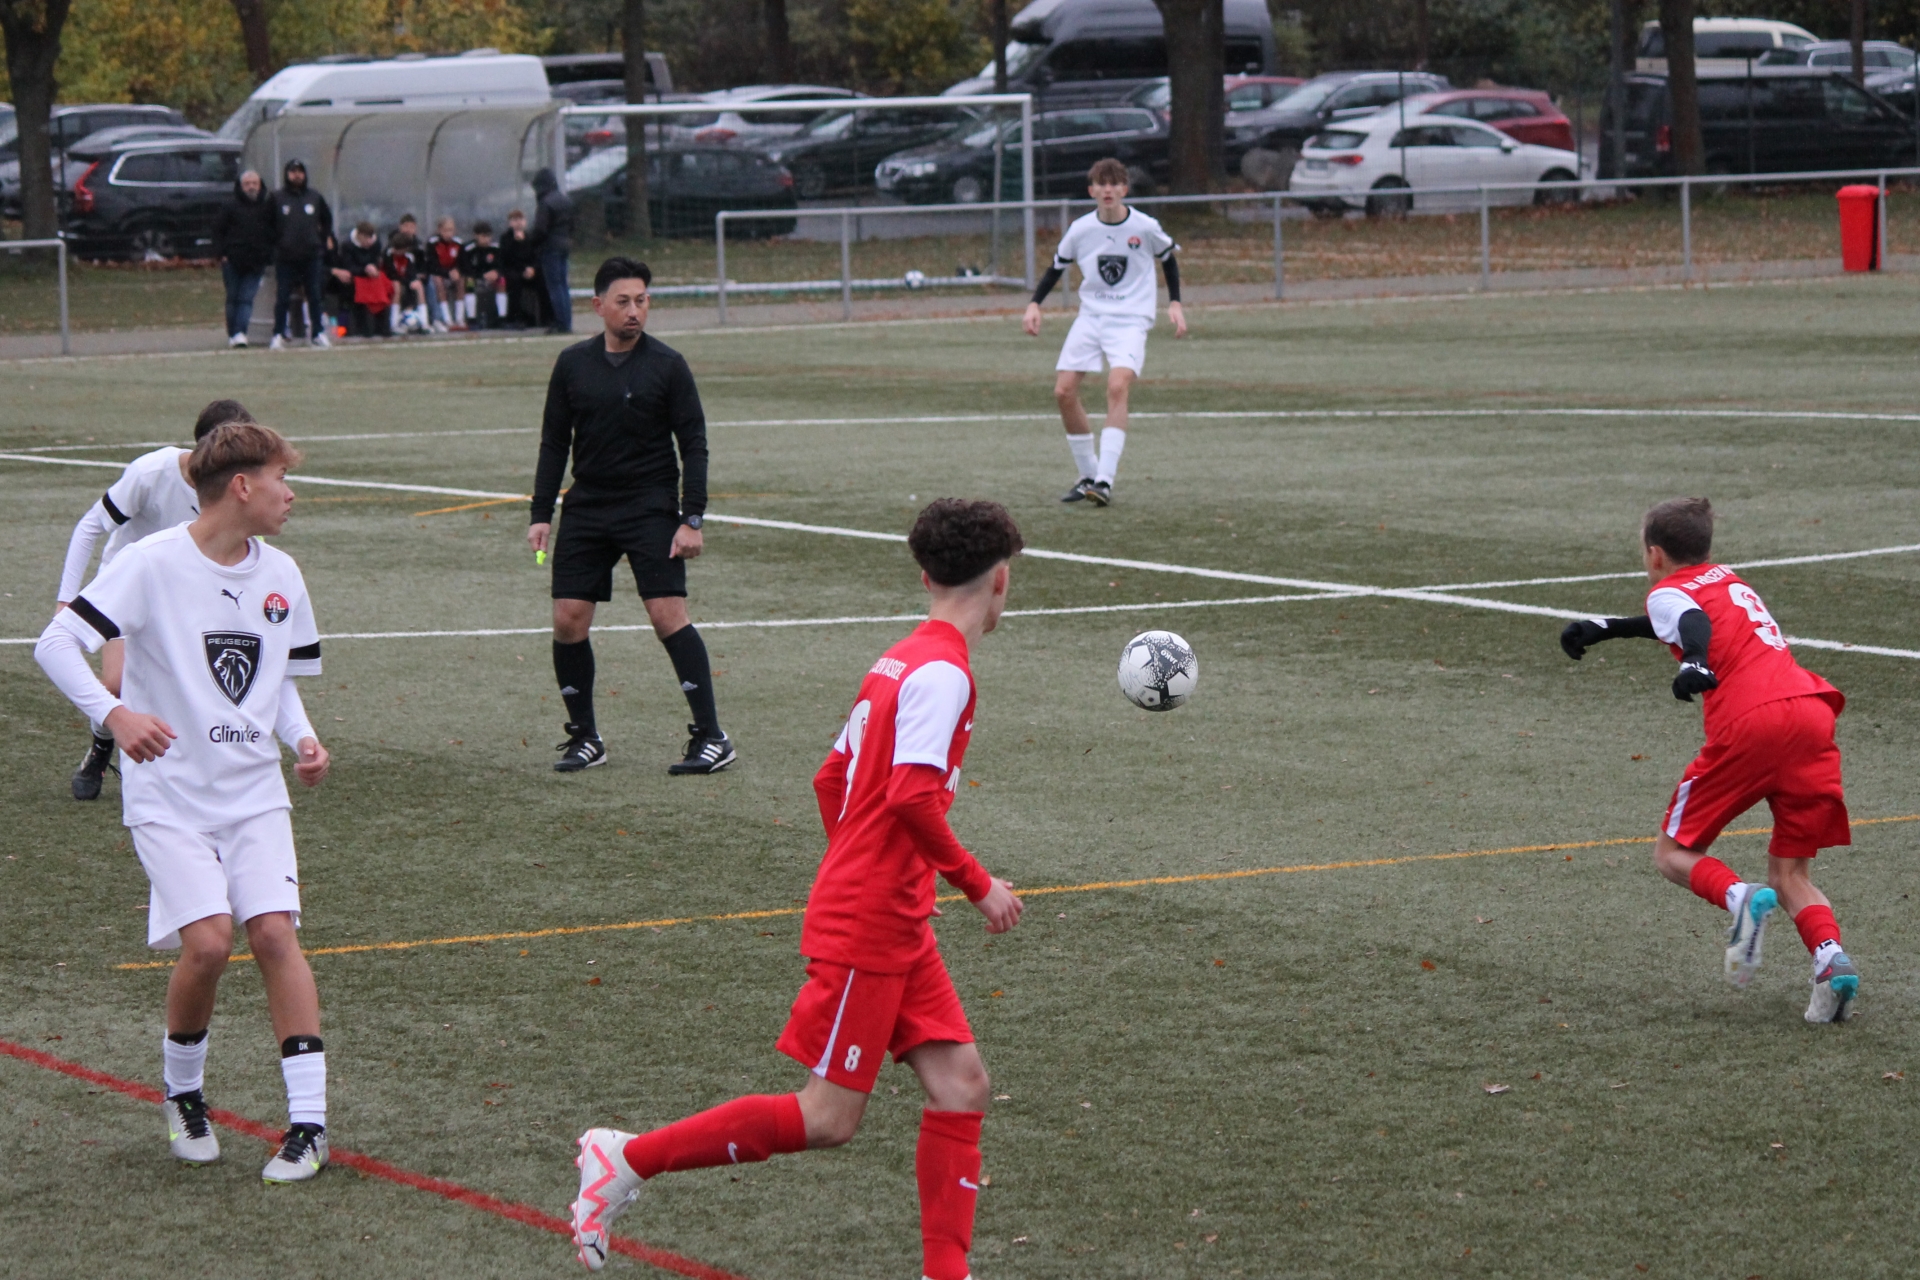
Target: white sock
1086,459
1112,441
183,1066
1734,891
306,1076
471,305
1823,953
500,305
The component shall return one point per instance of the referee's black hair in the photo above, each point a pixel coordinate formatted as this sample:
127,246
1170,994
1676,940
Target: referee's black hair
957,539
620,269
1681,527
218,412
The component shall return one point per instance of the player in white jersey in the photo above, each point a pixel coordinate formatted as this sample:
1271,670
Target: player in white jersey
1115,247
152,494
217,623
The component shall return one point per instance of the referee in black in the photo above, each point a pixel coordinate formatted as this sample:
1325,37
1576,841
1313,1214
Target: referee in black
620,403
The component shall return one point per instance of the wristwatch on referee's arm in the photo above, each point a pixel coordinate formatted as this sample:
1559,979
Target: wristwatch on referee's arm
692,522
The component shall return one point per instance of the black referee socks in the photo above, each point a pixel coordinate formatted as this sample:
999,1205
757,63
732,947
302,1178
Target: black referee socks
573,666
689,654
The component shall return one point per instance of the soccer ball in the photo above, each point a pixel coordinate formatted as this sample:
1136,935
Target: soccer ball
916,279
1158,670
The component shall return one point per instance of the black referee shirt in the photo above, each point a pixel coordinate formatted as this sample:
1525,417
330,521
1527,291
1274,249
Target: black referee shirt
621,423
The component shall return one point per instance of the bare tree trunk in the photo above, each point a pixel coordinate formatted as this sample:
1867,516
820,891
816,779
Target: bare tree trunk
1196,67
1683,86
255,36
32,32
1857,33
633,37
779,42
1422,35
999,48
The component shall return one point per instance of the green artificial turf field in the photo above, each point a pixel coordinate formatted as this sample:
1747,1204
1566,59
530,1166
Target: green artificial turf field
1272,1074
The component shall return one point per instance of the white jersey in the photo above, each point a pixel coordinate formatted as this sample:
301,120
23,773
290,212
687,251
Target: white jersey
1116,263
210,649
150,495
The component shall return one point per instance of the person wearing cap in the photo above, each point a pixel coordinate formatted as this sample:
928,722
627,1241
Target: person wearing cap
300,255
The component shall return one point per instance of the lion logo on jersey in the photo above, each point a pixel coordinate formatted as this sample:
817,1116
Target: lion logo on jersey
1113,267
275,607
233,658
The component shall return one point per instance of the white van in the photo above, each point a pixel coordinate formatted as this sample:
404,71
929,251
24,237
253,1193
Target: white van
1723,44
478,77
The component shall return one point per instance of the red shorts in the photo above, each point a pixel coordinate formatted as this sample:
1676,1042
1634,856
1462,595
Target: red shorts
845,1019
1781,752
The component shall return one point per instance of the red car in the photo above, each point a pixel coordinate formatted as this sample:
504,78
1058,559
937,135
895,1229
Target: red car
1526,114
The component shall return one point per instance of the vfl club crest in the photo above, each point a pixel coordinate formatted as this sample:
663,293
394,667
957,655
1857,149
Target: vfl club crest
1133,242
275,608
233,657
1113,267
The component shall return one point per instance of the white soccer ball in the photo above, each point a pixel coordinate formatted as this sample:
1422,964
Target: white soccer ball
1158,670
916,279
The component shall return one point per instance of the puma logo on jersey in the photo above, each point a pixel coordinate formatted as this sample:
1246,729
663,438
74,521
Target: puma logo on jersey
229,595
888,667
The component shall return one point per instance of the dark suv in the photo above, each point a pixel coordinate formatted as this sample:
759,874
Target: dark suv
1781,120
68,126
152,198
959,168
1338,95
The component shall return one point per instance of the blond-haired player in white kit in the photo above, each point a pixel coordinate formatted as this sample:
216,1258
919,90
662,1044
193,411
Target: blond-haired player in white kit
152,494
217,623
1115,247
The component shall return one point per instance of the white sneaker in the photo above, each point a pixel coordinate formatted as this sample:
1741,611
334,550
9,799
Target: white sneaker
439,326
321,340
236,339
188,1131
607,1188
1747,932
302,1155
1834,989
278,344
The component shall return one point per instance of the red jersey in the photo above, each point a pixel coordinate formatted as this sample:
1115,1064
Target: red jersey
443,255
1747,653
884,793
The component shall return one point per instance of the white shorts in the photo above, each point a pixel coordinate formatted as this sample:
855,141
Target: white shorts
244,870
1120,340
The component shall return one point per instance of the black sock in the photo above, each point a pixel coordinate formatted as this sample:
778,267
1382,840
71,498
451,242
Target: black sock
294,1046
689,654
188,1038
573,666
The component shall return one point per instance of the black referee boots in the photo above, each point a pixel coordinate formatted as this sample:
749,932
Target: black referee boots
582,750
705,753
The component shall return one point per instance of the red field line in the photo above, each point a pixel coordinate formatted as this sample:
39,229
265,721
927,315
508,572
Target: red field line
524,1214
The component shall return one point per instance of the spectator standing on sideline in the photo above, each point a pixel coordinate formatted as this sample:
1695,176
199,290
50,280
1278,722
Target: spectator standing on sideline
553,241
300,258
244,234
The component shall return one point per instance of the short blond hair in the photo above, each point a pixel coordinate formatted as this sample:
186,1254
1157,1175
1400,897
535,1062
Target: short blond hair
229,449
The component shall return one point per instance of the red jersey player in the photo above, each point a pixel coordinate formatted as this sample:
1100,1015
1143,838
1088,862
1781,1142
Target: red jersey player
875,981
1769,725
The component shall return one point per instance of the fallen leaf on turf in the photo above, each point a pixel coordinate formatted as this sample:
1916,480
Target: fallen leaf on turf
1639,1266
620,831
995,995
593,982
1776,1146
1636,757
1194,1214
523,952
1428,964
1219,964
1546,999
973,782
1483,919
1497,1088
1885,1075
1211,1238
1003,1097
1019,1239
986,1179
1623,1084
1568,858
489,1102
1468,1251
1536,1075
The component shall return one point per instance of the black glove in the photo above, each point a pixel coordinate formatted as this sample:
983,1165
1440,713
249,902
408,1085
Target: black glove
1694,678
1577,636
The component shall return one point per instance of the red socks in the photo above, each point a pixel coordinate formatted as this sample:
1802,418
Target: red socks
744,1131
1711,878
948,1167
1817,925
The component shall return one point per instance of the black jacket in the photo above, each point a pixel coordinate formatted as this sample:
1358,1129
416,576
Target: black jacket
245,231
306,223
621,426
354,257
552,230
477,259
516,254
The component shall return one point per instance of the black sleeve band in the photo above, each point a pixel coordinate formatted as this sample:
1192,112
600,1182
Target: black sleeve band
94,618
1696,634
1640,628
106,501
1172,268
1047,281
305,653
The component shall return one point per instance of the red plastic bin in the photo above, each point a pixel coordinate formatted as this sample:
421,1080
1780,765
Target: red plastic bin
1860,227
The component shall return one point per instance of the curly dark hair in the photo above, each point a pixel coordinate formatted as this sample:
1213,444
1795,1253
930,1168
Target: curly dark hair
957,539
1681,527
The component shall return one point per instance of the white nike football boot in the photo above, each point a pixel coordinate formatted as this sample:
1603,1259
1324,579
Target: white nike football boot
1747,932
189,1133
608,1187
1834,987
301,1157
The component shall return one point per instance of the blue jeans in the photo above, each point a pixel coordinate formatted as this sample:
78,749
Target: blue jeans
309,273
242,287
553,270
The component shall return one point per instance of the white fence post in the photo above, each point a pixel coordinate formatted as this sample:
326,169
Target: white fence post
720,260
1026,183
1279,255
1686,227
1880,255
846,267
66,339
1486,242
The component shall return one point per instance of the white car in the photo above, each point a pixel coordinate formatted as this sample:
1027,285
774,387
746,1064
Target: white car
1370,162
729,120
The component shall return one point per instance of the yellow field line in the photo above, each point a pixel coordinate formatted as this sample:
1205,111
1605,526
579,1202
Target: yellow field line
1096,886
472,506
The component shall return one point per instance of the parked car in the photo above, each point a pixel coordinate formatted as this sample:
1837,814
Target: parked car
1244,93
1093,52
1722,44
602,77
838,151
67,126
1779,120
587,134
731,121
148,198
958,169
1887,63
1338,95
687,186
1526,114
1369,163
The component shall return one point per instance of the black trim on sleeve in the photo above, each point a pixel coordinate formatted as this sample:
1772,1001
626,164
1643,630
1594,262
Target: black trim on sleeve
94,618
1047,281
1172,269
305,653
106,502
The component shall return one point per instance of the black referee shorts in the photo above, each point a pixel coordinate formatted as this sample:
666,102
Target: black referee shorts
595,534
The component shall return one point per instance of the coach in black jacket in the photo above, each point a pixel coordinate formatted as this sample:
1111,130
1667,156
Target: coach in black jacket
245,230
305,226
553,240
620,403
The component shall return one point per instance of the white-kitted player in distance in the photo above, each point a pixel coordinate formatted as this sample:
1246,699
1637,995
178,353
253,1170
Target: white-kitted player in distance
152,494
216,623
1115,247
